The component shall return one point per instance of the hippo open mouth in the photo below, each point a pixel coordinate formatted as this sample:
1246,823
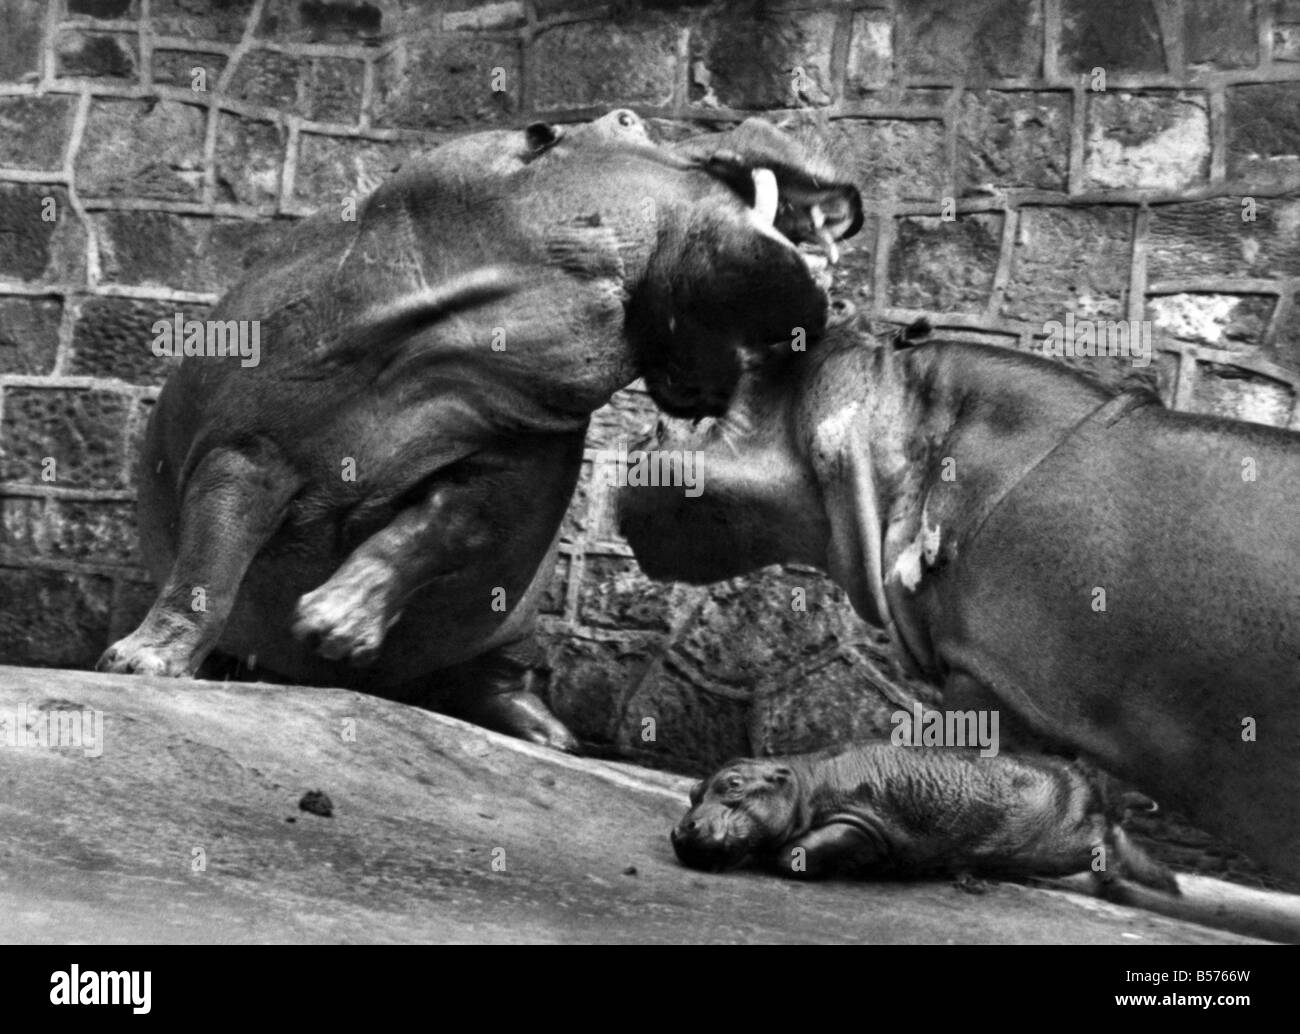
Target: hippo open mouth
767,260
809,216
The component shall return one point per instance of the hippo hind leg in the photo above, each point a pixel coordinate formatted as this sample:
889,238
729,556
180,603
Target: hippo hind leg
233,503
496,690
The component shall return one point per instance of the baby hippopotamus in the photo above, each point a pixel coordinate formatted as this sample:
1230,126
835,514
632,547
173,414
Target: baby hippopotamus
875,809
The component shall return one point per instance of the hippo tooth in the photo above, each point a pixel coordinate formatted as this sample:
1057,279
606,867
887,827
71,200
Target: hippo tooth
828,242
815,262
766,196
817,216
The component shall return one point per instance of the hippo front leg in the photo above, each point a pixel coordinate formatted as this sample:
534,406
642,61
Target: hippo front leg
351,613
836,849
348,616
233,503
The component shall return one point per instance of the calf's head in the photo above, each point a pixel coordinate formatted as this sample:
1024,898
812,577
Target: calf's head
741,813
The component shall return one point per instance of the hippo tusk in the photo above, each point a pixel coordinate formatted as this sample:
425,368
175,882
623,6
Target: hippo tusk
828,242
766,196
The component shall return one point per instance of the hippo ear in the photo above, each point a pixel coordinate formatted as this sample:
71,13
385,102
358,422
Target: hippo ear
697,793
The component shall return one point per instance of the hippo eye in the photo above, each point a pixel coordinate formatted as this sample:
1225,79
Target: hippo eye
735,782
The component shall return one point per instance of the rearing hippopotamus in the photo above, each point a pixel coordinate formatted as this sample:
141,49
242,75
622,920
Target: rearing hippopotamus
1122,579
376,502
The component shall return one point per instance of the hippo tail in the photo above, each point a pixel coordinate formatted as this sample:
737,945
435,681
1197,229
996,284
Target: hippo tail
1132,862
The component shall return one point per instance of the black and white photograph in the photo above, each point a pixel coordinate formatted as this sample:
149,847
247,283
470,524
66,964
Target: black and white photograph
650,472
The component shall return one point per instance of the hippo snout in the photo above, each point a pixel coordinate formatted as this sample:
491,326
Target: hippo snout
703,844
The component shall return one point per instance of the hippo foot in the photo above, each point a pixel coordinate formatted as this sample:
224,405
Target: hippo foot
346,618
140,653
522,714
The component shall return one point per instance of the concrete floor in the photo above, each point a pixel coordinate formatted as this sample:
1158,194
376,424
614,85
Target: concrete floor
188,829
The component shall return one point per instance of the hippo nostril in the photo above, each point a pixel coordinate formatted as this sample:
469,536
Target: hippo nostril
661,429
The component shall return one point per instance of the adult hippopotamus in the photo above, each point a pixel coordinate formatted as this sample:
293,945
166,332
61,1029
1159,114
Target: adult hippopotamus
1120,579
374,500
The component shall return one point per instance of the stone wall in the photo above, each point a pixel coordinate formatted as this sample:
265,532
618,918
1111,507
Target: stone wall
1021,159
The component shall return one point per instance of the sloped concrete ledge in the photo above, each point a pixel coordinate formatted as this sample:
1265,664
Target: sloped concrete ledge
186,828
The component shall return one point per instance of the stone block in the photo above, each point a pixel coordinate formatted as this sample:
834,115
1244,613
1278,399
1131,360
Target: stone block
871,51
29,334
143,149
41,238
693,729
590,679
1222,35
1225,391
749,631
34,131
760,59
321,89
186,252
893,157
431,82
835,703
1070,260
331,168
615,595
113,338
97,55
1014,139
1224,237
1264,133
945,265
95,532
1153,141
52,618
21,25
81,430
249,160
974,40
594,63
336,21
192,70
1120,36
201,19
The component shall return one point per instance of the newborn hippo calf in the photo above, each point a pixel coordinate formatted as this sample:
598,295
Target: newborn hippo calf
879,810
